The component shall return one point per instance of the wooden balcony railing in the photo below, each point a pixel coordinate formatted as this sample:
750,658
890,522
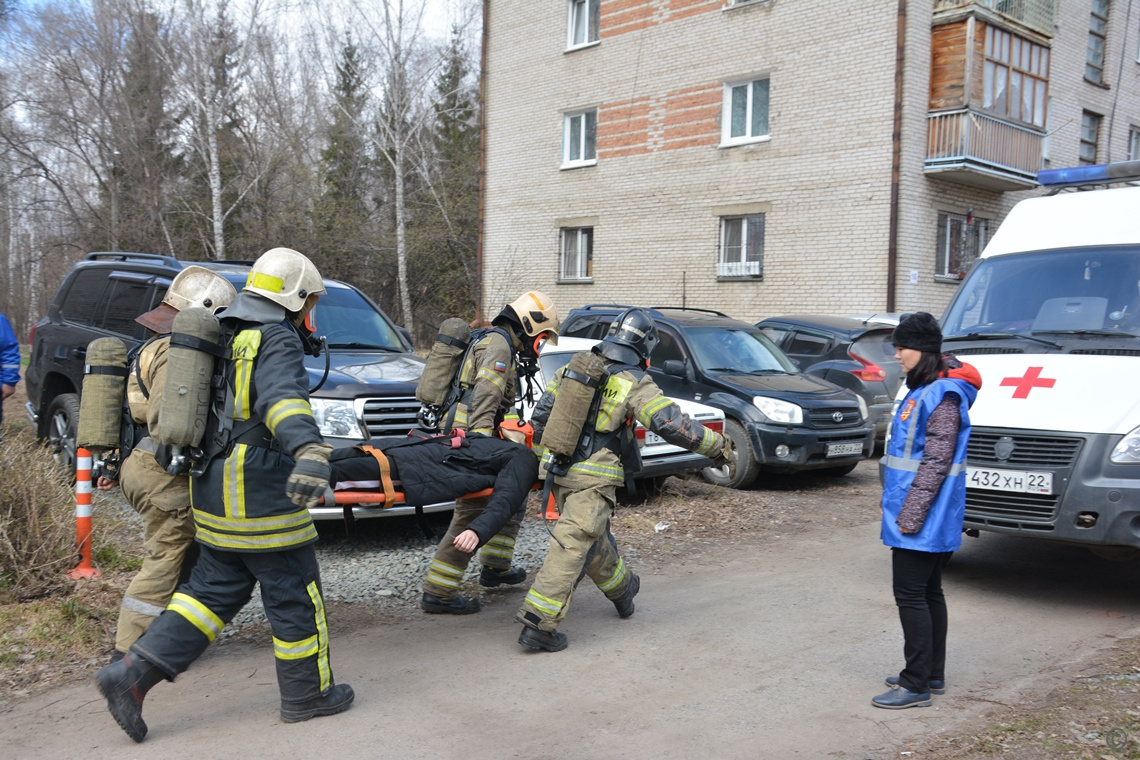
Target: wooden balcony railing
1003,155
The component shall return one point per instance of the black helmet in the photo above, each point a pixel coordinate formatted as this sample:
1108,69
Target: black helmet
633,329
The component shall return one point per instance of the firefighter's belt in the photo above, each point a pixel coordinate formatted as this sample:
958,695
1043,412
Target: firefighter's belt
259,436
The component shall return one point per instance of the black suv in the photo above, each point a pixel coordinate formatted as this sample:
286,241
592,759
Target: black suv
370,390
779,419
852,353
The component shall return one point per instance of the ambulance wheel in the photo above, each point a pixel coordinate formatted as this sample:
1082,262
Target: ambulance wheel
61,426
747,468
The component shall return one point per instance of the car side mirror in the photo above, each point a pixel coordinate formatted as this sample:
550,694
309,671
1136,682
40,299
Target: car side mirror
406,334
675,367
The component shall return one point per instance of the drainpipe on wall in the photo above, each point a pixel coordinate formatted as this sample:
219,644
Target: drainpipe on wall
896,158
482,165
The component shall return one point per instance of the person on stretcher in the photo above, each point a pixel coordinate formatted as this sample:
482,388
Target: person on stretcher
443,468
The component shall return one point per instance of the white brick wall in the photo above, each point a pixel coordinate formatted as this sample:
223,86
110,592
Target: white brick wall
825,173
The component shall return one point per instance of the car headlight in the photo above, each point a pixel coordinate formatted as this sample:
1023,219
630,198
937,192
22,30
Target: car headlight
336,418
778,411
1128,450
863,411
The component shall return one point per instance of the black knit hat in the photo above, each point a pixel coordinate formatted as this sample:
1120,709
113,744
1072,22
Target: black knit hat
919,331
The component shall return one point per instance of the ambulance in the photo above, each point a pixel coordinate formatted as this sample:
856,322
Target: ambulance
1050,316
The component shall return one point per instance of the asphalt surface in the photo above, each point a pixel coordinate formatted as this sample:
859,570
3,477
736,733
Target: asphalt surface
772,652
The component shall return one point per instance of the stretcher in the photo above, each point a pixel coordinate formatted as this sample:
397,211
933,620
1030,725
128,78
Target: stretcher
373,503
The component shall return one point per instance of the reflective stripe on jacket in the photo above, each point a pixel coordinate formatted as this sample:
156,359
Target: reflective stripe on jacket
942,529
488,378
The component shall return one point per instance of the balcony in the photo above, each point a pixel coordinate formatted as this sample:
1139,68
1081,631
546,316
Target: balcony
1036,15
972,148
733,269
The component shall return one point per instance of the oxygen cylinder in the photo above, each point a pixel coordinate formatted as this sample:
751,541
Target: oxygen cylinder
186,391
575,395
443,362
104,394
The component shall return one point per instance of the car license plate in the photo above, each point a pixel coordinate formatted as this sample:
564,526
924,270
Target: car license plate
844,449
652,439
1017,481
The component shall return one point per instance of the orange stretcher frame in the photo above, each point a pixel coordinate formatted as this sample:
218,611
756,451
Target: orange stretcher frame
349,498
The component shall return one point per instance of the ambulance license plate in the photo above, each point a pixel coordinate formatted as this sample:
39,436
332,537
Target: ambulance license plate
844,449
1017,481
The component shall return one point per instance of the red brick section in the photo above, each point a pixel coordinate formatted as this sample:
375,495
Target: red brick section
625,16
681,119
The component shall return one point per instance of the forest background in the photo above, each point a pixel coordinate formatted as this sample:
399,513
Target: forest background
215,130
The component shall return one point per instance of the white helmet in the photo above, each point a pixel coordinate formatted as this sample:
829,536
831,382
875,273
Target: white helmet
194,286
537,315
198,286
285,277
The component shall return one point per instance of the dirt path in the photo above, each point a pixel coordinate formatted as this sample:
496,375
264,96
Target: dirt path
761,647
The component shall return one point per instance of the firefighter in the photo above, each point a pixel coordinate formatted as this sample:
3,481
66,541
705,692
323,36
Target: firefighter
488,379
161,499
251,511
585,483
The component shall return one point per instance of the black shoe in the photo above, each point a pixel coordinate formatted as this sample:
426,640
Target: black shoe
934,685
456,605
125,684
625,604
532,638
491,577
900,699
116,655
337,699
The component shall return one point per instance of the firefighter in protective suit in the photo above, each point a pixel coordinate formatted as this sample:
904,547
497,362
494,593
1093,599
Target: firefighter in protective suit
162,500
586,492
488,380
251,511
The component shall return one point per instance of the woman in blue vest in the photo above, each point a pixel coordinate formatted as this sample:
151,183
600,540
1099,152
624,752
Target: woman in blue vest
924,501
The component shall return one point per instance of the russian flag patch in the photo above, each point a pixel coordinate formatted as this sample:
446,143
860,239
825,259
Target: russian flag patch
500,367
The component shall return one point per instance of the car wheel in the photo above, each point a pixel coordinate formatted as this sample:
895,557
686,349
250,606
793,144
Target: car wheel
62,424
747,468
839,472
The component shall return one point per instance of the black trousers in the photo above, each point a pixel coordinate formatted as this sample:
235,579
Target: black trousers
220,585
922,612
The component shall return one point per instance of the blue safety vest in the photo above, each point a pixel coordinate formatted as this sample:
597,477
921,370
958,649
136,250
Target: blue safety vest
942,529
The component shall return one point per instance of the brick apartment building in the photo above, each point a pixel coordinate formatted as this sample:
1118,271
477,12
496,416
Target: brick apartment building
741,155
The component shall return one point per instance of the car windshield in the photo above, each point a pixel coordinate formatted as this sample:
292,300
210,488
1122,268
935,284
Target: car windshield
740,351
1050,293
551,363
349,321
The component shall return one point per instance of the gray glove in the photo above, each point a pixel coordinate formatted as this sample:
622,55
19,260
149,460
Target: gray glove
310,477
727,455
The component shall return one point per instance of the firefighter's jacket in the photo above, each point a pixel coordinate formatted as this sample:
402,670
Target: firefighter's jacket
239,501
488,377
145,380
627,396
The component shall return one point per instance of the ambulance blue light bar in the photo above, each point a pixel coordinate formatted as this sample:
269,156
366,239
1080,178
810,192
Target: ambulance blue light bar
1118,171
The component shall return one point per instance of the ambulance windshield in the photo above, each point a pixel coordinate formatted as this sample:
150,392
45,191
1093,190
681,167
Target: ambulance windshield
1087,292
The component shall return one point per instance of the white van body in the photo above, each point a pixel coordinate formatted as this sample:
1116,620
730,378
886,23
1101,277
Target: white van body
1050,317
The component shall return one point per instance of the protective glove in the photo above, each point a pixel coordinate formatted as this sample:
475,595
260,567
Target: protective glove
727,456
310,476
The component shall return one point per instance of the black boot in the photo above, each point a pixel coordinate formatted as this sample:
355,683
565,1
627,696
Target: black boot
552,641
491,576
125,684
337,699
116,655
625,604
456,605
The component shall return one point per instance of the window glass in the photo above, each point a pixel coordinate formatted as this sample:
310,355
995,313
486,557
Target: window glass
668,348
584,18
579,139
577,253
741,351
807,344
124,299
1015,77
348,320
79,304
746,107
742,246
960,240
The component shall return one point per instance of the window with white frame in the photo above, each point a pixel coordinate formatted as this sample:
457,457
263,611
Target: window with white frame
1094,56
741,246
1090,135
579,138
583,25
745,117
1134,143
577,253
961,237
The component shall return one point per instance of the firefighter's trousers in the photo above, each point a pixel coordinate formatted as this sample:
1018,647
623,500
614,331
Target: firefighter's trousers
445,574
582,545
163,503
219,586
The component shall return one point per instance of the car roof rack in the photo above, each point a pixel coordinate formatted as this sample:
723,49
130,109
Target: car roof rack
714,312
156,258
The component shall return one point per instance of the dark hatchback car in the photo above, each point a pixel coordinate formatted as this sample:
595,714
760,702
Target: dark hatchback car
849,352
372,371
779,419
